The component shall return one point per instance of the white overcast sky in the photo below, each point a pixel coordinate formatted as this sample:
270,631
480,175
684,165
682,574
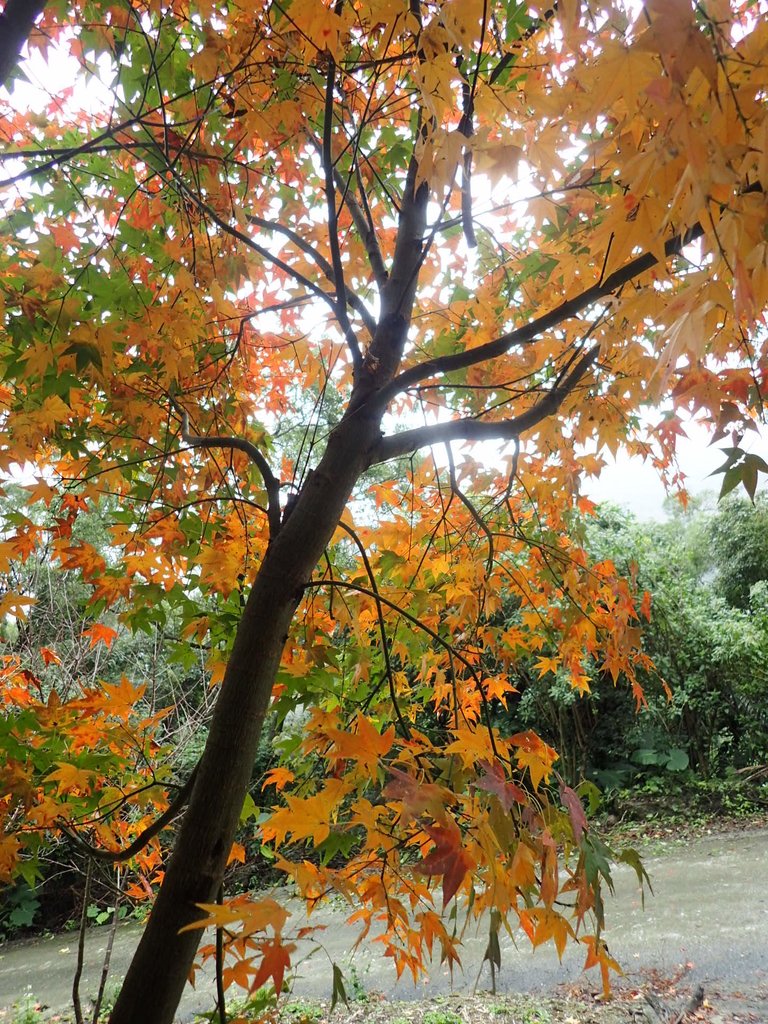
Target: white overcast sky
636,485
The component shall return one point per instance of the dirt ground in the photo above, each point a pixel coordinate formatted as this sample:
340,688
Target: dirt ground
628,1007
480,1009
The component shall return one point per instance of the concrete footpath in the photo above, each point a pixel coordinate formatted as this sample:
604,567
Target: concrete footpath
709,911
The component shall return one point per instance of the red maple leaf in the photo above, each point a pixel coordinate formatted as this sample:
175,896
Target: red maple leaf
572,803
447,858
493,781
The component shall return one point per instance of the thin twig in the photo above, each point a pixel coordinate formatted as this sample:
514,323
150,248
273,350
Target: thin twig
333,221
404,727
353,300
81,943
361,218
470,429
118,856
110,946
471,508
529,332
221,1005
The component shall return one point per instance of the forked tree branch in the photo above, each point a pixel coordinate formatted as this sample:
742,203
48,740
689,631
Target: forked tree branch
529,332
252,244
240,444
395,445
480,430
361,218
508,58
471,509
116,856
353,300
363,221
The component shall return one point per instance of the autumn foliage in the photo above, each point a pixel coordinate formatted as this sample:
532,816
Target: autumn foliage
270,275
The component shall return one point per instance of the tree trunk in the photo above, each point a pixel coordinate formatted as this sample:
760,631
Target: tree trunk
160,967
16,22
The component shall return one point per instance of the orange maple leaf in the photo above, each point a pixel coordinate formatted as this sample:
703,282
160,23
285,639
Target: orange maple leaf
598,956
239,973
548,924
276,960
50,657
123,696
9,850
278,777
237,853
366,745
41,491
99,633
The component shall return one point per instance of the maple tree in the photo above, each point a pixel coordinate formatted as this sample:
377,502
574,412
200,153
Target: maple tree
267,276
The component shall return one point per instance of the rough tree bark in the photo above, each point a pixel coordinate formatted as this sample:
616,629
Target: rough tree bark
160,967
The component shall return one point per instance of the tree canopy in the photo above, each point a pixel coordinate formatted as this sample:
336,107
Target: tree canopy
268,277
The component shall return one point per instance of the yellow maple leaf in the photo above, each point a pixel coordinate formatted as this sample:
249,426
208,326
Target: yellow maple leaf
471,746
70,778
253,915
307,818
545,665
535,755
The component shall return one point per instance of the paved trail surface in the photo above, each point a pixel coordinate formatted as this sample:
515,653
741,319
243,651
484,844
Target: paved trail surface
710,911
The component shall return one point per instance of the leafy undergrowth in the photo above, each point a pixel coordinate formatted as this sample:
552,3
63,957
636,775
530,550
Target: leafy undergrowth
670,830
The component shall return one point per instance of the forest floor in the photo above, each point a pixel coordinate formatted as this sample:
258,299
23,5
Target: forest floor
627,1007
